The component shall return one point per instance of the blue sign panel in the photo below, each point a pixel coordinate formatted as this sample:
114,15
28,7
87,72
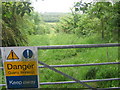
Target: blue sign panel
16,82
28,53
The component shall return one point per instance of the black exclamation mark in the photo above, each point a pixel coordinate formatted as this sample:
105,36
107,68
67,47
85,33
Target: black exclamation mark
12,54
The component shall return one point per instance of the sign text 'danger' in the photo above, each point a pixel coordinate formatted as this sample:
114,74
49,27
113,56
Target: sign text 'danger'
20,68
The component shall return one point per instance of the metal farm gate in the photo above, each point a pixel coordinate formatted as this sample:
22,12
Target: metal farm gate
83,82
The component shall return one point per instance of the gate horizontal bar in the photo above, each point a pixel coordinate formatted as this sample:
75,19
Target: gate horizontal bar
77,65
68,82
1,85
79,46
1,67
66,75
111,88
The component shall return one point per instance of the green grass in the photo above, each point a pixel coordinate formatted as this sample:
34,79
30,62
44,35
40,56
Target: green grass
76,56
2,80
61,39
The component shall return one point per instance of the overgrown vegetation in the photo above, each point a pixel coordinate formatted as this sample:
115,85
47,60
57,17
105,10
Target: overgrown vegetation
18,21
12,13
76,56
88,23
100,18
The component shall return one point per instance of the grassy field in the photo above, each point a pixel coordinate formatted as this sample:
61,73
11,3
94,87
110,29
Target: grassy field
76,56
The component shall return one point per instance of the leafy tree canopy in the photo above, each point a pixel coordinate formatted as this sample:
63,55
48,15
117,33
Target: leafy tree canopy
12,12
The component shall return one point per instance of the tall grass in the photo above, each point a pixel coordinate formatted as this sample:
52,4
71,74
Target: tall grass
62,39
76,56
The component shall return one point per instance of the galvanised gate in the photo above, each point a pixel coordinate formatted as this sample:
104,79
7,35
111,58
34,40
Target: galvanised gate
74,80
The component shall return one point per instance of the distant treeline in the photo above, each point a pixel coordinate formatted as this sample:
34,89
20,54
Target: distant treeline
52,16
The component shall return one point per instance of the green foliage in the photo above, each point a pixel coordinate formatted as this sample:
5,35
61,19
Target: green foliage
102,10
106,13
87,27
38,26
80,6
36,21
76,56
12,12
78,24
19,21
99,17
66,24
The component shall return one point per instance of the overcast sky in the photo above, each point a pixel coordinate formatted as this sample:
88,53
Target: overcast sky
54,5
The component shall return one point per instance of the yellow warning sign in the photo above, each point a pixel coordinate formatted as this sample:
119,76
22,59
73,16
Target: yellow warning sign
12,55
21,68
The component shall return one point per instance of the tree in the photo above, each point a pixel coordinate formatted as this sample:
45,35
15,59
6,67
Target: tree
12,12
107,13
80,6
67,24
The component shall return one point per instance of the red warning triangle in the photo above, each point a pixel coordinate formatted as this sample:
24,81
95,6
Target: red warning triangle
12,55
